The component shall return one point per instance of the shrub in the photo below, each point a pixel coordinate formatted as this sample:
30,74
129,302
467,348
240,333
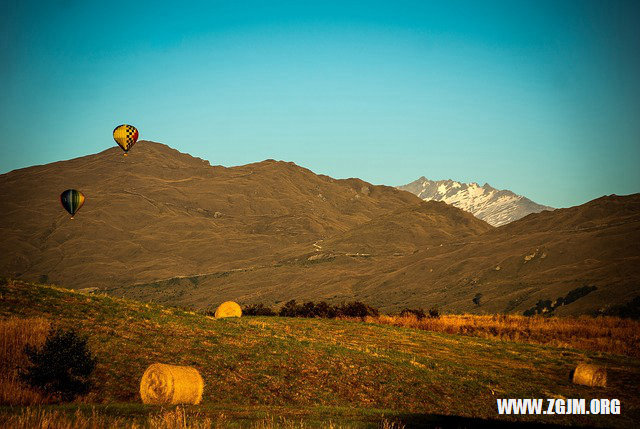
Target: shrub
325,310
434,312
630,310
357,309
576,294
543,306
476,299
62,367
289,309
322,309
547,307
257,310
417,312
307,310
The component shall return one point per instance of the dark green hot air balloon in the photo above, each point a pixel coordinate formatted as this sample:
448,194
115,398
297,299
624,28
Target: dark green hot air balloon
72,200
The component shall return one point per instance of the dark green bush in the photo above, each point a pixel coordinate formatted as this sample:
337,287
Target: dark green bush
576,294
547,307
477,298
290,309
434,312
417,312
324,310
62,367
257,310
629,310
543,306
357,309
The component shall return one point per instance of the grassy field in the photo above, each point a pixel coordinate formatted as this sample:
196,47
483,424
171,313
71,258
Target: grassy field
273,372
602,334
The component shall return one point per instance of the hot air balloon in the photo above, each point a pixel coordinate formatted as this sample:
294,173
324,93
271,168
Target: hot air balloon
72,200
126,136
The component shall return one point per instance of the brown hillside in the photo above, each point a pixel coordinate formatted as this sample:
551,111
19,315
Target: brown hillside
159,213
408,229
540,257
164,226
598,213
513,268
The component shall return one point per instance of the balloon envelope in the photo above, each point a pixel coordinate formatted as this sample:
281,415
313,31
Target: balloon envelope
72,200
126,136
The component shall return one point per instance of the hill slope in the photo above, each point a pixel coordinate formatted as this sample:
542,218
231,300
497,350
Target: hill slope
163,226
408,229
296,364
496,207
543,256
159,213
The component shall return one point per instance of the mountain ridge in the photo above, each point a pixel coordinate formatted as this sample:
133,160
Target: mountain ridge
160,225
495,206
158,198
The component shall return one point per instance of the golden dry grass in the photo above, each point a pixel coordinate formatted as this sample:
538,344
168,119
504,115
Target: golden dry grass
33,417
603,334
15,334
178,418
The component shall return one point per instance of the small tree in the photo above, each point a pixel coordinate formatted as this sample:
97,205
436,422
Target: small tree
477,298
308,309
417,312
257,310
290,309
434,312
357,309
62,367
325,310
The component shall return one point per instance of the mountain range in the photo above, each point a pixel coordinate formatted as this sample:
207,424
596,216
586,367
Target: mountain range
494,206
163,226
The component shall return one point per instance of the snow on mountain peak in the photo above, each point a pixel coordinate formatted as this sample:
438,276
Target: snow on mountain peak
496,207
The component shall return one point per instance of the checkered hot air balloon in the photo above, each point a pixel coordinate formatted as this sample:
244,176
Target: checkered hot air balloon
72,200
126,136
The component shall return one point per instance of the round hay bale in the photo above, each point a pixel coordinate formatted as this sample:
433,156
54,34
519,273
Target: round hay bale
171,384
228,309
590,375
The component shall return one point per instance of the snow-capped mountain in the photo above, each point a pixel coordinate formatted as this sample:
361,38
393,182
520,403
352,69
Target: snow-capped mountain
494,206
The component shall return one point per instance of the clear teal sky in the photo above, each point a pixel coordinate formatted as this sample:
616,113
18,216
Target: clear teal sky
539,97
